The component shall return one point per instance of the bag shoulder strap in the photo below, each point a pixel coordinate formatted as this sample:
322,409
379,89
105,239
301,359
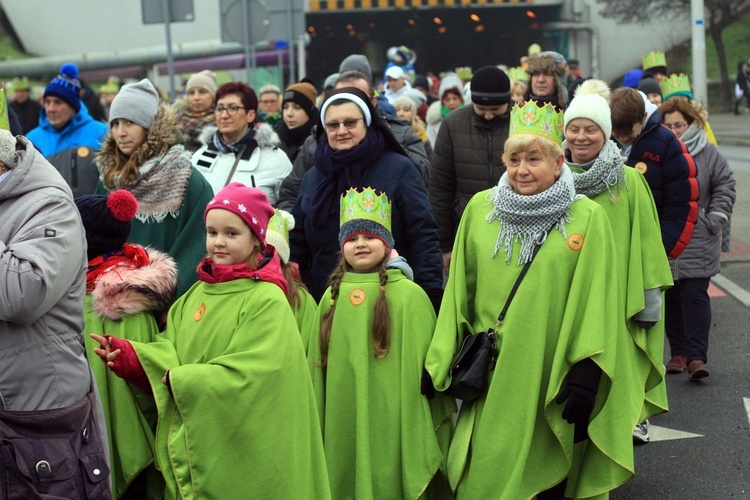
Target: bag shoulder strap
234,166
514,289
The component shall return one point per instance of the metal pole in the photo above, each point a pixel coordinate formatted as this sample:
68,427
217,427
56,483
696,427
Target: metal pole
301,57
170,59
280,65
246,32
290,37
700,85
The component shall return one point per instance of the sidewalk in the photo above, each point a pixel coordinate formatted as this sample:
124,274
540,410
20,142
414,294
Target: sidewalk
733,130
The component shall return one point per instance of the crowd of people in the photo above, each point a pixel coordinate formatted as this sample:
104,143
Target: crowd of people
266,291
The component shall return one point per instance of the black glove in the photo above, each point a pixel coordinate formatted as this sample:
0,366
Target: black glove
427,388
645,324
580,403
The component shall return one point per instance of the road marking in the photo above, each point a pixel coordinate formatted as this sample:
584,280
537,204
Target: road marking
747,408
665,434
715,291
733,289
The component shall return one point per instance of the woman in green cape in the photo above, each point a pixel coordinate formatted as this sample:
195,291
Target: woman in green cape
547,426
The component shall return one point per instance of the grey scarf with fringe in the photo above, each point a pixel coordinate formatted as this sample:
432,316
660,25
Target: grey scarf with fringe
530,218
606,172
695,138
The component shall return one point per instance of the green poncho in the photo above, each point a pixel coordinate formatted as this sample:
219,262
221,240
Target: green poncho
129,413
241,420
642,265
513,443
383,438
305,315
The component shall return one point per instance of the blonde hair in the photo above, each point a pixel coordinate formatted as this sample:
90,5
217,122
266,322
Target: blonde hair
523,142
381,326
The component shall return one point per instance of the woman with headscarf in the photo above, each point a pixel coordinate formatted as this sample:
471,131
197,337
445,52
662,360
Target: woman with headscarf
359,151
549,398
451,97
196,110
688,303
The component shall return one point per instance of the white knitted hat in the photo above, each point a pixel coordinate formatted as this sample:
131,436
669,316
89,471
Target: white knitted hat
7,148
592,102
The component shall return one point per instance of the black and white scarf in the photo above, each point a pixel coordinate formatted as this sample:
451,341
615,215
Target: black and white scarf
529,218
606,172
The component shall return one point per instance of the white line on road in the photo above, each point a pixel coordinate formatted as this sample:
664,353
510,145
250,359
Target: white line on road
733,289
659,433
747,409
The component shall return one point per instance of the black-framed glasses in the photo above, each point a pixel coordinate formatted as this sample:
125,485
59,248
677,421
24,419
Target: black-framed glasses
348,124
676,126
232,109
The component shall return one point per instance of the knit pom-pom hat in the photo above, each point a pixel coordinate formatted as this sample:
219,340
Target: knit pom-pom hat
106,219
278,233
66,86
248,203
591,101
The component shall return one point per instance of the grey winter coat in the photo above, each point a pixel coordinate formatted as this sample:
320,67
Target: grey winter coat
466,159
42,288
401,130
701,257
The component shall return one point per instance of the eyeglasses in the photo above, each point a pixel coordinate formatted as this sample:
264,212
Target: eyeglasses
349,124
269,101
232,109
676,126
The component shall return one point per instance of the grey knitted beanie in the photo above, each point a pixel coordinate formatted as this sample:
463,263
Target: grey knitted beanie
137,102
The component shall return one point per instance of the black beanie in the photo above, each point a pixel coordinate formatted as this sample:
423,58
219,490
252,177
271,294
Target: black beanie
649,86
490,86
106,220
420,81
303,94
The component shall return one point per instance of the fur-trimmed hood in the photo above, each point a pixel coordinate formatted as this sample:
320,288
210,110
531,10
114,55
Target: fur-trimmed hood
434,113
151,288
265,135
162,135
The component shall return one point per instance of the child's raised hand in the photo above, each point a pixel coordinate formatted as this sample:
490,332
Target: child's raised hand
104,351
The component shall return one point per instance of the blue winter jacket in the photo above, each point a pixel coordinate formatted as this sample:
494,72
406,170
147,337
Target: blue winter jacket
413,226
671,174
81,130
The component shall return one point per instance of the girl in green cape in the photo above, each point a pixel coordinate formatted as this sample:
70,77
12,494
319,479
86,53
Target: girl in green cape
235,403
383,438
127,288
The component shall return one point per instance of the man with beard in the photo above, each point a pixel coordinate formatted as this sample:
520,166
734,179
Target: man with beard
468,152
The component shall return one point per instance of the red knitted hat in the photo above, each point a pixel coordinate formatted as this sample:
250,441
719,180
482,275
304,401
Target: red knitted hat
248,203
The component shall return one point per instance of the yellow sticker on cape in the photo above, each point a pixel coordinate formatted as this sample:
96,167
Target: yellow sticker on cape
83,152
575,241
200,312
641,167
357,296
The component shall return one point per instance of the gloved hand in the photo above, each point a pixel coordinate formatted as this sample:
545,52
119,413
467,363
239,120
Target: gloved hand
428,389
580,403
646,325
128,366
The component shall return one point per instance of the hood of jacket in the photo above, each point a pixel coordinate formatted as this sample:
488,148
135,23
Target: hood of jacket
31,173
162,135
124,291
265,135
434,113
79,119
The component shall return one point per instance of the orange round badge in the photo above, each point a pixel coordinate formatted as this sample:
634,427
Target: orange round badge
575,241
357,296
641,167
83,152
200,312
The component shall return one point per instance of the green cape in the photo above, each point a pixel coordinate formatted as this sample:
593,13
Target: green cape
642,265
383,438
305,316
241,419
130,413
513,443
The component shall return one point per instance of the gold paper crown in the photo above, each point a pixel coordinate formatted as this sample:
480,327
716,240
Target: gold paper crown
654,59
518,73
365,211
676,85
530,118
111,87
464,72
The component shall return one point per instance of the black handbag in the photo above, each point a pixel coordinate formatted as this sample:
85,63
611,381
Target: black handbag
478,355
